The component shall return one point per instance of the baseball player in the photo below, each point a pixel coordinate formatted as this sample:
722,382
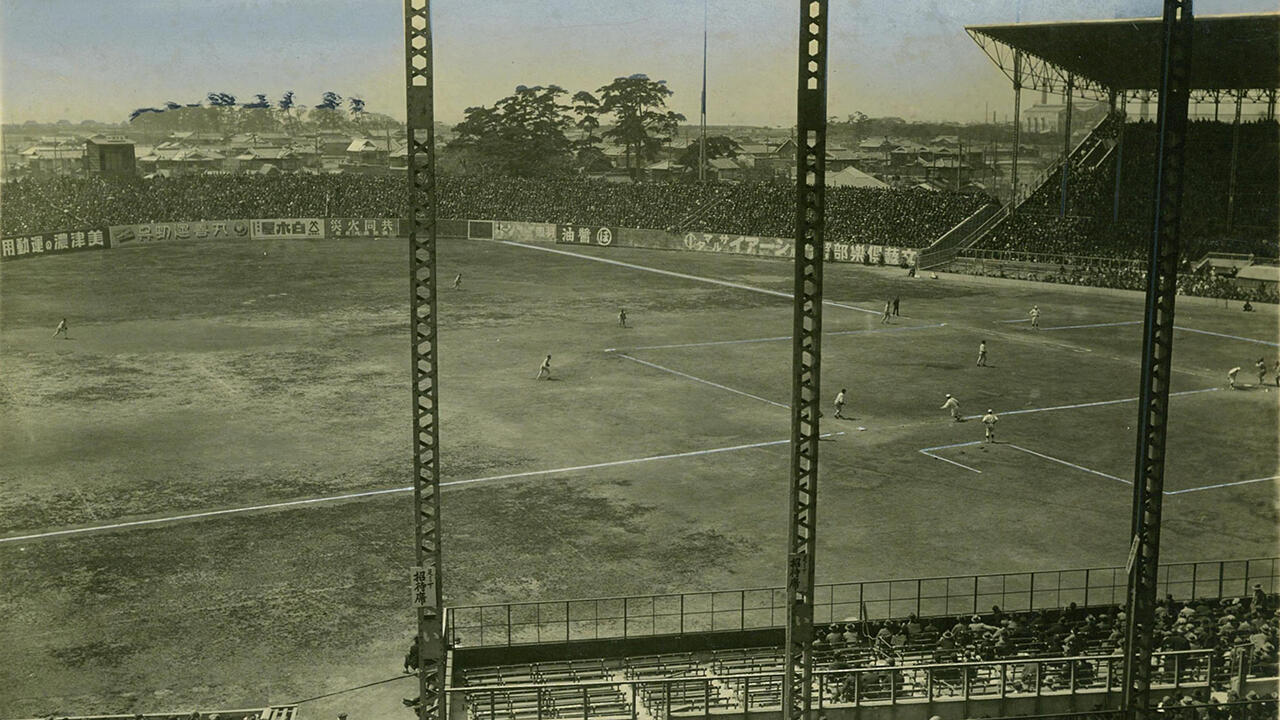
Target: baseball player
982,353
622,317
545,369
954,406
990,421
840,398
61,329
1231,377
1035,316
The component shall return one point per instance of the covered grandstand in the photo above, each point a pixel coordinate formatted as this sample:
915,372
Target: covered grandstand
1093,205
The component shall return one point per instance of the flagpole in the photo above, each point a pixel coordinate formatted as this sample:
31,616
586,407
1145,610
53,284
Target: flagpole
702,143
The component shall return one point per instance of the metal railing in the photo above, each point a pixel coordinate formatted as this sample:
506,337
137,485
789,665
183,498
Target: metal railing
696,692
760,608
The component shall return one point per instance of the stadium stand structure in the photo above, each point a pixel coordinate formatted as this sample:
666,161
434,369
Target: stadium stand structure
933,647
1082,229
900,217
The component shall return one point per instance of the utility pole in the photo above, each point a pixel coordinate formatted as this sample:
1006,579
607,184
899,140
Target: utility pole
702,144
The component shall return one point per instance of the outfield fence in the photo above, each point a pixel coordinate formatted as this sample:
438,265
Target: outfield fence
523,623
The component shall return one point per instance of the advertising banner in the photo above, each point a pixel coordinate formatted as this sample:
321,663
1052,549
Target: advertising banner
362,227
584,235
524,231
288,229
126,235
21,247
738,244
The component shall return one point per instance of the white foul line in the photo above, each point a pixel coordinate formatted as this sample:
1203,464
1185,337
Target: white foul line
1224,335
925,451
1091,404
685,276
698,379
778,338
1069,464
390,491
1015,321
1221,485
1094,325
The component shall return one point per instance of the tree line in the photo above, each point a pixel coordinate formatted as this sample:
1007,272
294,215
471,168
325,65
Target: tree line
224,113
527,133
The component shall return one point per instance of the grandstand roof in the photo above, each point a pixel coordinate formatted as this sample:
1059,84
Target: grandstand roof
1229,52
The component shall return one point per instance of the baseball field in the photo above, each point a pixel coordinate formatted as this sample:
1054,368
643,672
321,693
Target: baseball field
202,487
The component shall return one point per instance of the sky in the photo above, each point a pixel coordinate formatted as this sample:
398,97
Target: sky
100,59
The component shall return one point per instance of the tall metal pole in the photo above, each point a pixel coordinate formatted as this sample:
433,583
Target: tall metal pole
702,150
1235,159
1157,358
1017,125
1066,147
1115,201
806,354
427,597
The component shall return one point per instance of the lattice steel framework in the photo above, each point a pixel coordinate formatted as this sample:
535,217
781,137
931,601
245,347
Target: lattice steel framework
806,354
422,304
1157,356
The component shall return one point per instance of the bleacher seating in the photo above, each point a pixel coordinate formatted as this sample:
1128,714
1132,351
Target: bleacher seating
1088,228
897,659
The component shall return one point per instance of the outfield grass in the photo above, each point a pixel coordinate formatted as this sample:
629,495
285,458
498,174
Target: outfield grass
208,376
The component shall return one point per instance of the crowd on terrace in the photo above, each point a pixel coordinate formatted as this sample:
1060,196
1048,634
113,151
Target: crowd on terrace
1088,228
903,218
998,635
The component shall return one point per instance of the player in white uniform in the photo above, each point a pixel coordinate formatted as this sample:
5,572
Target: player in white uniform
840,396
457,281
1262,371
953,405
545,369
990,421
1035,316
61,329
1231,377
888,307
982,353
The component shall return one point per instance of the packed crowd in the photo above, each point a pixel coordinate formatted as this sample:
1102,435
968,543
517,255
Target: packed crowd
905,218
1200,624
1091,189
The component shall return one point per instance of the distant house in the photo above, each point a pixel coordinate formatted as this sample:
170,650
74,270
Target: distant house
906,154
110,156
254,159
333,144
181,162
853,177
839,158
877,145
663,169
53,159
725,169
